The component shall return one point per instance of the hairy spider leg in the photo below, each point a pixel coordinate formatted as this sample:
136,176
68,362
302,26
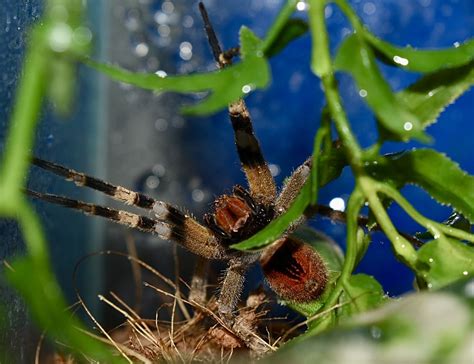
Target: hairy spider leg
118,193
170,223
261,184
292,187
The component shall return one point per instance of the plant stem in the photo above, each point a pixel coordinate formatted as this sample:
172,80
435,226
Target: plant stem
403,248
20,139
353,207
278,24
322,66
432,226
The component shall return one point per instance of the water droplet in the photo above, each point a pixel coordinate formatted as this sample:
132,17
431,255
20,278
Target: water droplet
132,20
49,140
186,51
328,11
167,7
188,21
301,6
338,204
469,289
430,285
400,60
247,88
369,8
161,124
465,273
161,73
60,37
197,195
431,260
152,182
403,246
274,169
161,18
141,49
408,126
376,332
164,30
362,93
159,170
82,35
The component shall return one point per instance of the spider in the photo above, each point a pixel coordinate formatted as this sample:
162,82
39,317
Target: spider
292,268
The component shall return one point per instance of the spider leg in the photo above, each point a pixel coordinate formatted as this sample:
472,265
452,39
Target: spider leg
118,193
260,180
181,229
232,285
198,289
292,187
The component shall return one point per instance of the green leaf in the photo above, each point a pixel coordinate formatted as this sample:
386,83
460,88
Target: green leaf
421,60
431,94
225,85
434,172
331,164
443,261
355,57
249,43
361,293
293,29
278,226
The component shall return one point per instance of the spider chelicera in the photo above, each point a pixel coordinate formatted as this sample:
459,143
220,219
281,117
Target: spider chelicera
292,268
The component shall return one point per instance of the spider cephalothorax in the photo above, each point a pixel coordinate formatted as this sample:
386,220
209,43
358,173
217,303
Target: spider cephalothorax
238,216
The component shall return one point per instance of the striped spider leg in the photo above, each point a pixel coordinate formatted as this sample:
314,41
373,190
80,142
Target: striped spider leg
242,214
169,222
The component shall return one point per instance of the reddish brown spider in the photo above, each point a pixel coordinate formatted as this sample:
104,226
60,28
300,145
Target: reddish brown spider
292,268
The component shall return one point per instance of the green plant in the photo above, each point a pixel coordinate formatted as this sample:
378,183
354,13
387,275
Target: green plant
446,257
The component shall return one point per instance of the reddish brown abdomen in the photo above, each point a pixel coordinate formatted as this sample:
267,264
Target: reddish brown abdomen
294,270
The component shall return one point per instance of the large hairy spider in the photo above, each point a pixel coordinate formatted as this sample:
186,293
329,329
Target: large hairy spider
291,267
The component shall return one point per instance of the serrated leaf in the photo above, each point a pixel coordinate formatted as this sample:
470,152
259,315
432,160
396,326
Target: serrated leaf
355,57
225,85
421,60
443,261
428,97
361,293
434,172
293,29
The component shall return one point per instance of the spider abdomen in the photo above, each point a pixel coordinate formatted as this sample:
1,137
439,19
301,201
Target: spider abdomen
294,270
